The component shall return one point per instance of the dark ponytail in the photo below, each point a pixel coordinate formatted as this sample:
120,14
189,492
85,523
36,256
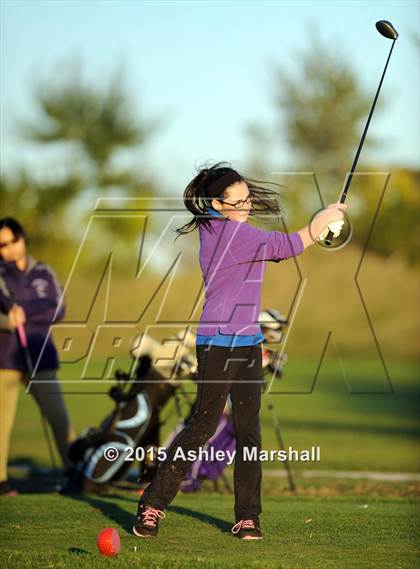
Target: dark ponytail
200,192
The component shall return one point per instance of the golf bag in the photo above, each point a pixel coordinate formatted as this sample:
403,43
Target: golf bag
136,419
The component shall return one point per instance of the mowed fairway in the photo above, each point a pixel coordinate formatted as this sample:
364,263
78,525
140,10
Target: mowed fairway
336,533
337,524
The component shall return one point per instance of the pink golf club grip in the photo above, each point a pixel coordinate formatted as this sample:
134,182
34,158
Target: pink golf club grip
22,336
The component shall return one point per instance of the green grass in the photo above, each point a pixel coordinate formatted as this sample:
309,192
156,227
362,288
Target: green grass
335,533
355,432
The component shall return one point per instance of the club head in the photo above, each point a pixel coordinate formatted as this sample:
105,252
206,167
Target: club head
386,29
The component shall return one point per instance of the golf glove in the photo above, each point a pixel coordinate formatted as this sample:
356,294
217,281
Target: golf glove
334,226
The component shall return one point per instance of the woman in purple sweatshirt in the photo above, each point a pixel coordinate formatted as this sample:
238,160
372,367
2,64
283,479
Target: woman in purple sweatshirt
233,256
30,297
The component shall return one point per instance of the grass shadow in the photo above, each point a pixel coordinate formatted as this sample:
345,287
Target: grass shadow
110,510
28,477
220,524
125,520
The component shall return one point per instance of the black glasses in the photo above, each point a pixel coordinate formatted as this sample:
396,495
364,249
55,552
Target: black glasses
11,242
238,204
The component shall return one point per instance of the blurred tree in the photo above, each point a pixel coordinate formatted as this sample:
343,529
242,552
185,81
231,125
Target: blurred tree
396,230
93,125
98,120
320,112
323,108
42,207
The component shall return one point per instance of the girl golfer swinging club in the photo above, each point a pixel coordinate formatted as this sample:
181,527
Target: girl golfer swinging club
228,347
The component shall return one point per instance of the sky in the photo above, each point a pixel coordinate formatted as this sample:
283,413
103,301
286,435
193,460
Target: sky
203,68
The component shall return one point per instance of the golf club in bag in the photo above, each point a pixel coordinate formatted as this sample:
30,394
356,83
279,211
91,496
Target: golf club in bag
136,420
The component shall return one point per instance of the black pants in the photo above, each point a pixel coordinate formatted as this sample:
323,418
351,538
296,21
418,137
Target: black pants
221,371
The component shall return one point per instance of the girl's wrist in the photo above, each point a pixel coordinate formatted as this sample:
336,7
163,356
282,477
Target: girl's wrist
311,232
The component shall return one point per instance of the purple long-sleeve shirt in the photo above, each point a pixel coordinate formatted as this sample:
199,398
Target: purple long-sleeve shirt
37,290
233,259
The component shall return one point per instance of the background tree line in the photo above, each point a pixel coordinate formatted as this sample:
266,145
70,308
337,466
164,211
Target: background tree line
320,112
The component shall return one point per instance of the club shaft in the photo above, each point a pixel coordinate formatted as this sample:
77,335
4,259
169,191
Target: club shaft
28,362
343,196
356,158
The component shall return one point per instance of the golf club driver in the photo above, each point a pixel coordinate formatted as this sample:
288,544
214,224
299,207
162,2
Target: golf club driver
387,30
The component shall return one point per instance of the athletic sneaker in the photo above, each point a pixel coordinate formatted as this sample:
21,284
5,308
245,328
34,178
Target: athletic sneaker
7,490
247,529
147,521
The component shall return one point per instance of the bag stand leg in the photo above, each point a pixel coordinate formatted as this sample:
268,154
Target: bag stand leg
276,428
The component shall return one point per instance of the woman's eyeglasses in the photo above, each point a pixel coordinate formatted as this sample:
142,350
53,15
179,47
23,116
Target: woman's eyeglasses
238,204
11,242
